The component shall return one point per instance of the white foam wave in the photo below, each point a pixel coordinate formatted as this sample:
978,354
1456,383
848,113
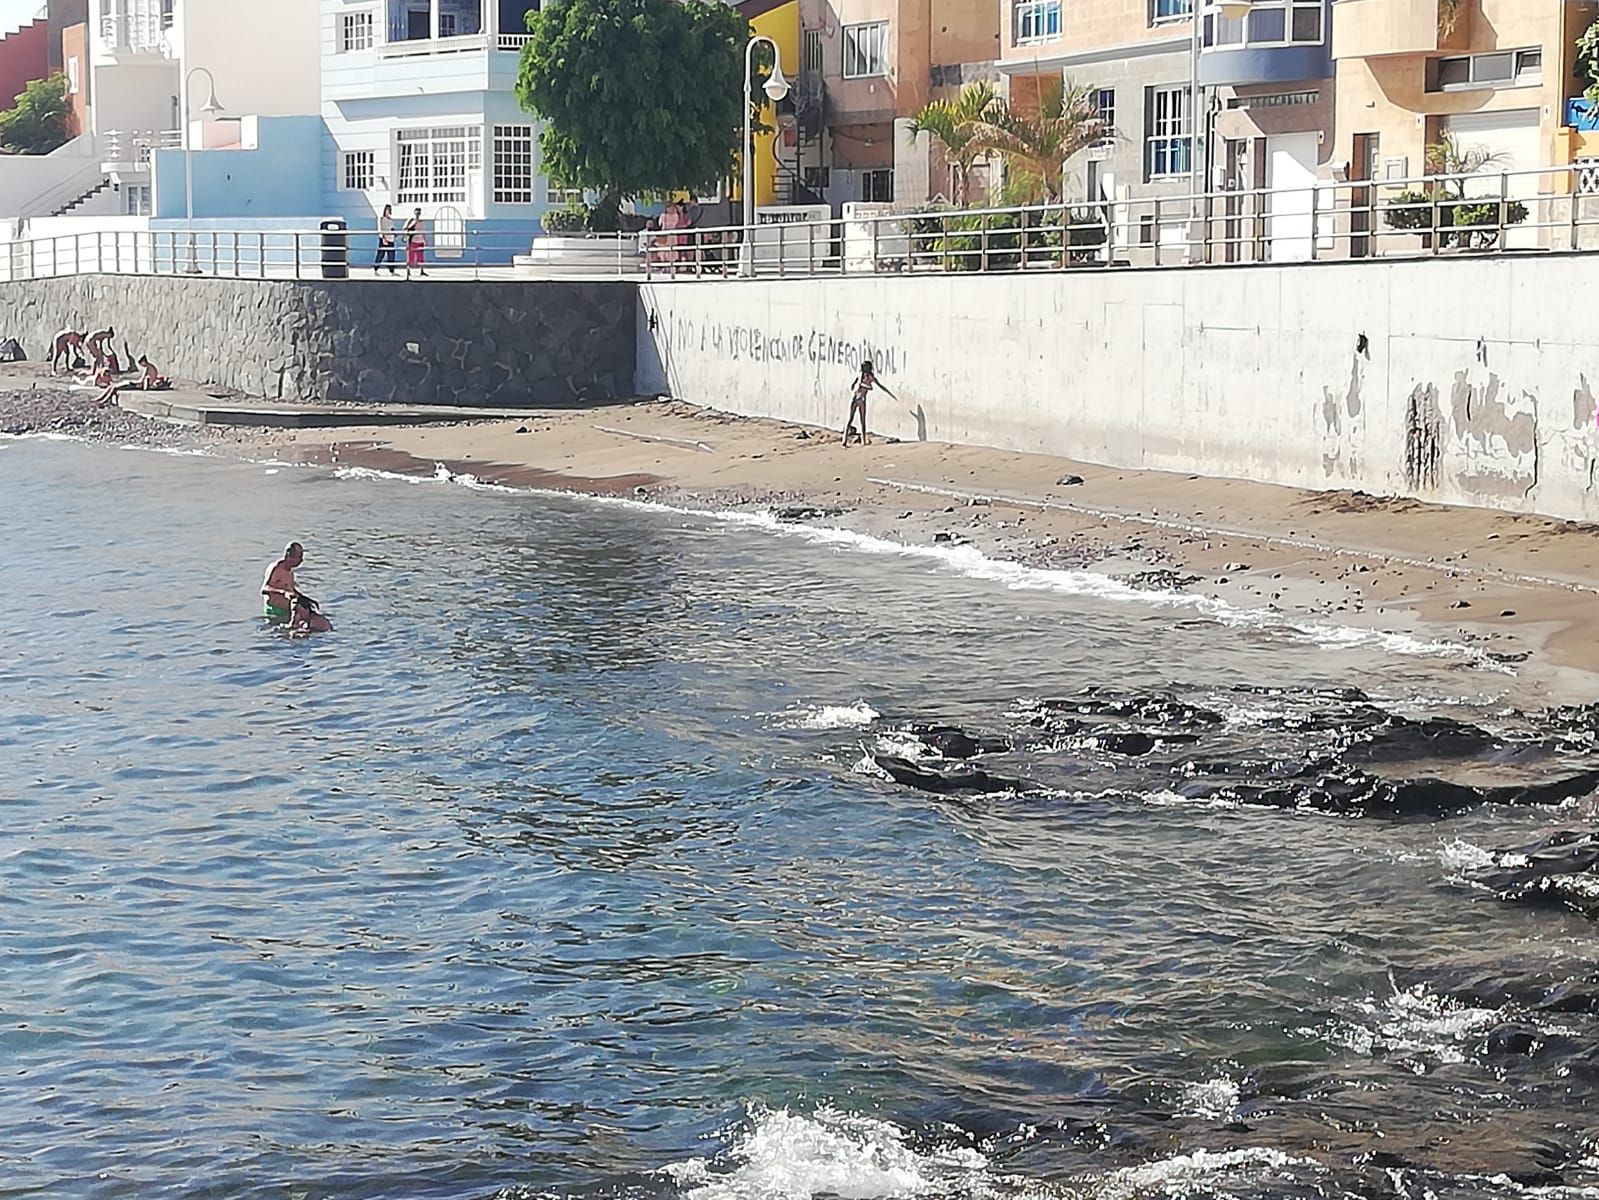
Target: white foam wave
1458,855
441,474
1200,1173
1214,1099
782,1155
1414,1023
827,716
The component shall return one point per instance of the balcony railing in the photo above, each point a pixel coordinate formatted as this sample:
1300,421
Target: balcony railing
138,33
133,149
468,43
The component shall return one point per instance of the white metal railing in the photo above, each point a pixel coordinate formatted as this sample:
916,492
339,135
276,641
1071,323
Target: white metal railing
514,41
465,43
1540,209
135,148
1533,211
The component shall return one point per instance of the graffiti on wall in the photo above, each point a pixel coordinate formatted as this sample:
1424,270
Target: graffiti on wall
740,342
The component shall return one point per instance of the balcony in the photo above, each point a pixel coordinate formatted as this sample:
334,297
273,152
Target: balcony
125,151
135,33
1392,28
474,43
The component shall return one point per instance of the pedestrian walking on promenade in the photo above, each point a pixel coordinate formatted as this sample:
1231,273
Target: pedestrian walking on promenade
415,244
385,240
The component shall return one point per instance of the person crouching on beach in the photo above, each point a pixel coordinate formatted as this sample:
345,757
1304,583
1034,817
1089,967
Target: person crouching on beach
307,618
67,351
864,383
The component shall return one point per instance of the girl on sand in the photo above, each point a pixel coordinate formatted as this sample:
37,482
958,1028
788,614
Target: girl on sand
864,383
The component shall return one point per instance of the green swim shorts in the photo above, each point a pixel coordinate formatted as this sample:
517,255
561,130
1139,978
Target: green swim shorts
275,613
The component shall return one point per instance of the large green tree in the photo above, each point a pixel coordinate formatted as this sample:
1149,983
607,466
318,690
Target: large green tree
42,119
637,96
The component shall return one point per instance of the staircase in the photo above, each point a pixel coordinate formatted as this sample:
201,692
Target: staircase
791,189
66,209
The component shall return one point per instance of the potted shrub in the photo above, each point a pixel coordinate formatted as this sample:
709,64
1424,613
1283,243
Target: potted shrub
1470,223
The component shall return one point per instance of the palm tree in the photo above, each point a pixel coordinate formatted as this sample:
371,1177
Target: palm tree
1037,144
952,122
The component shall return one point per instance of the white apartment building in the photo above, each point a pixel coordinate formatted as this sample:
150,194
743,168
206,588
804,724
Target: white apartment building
418,99
254,59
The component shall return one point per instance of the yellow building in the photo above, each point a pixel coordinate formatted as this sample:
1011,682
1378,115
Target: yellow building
776,147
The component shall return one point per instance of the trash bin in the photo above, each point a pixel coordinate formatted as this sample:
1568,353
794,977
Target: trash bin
335,249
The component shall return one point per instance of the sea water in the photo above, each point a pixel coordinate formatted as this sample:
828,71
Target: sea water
562,869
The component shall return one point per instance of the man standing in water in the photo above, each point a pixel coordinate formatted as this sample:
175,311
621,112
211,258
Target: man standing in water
278,587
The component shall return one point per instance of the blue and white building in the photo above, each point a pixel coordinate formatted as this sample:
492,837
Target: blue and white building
419,103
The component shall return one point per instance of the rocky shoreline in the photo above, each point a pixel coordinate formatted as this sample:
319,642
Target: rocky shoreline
77,413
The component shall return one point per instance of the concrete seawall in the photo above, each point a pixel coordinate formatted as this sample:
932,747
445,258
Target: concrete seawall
442,342
1468,380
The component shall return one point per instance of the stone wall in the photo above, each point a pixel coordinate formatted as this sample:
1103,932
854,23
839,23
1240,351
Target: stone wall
439,342
1466,380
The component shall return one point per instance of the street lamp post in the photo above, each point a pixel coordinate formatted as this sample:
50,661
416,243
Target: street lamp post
210,108
775,87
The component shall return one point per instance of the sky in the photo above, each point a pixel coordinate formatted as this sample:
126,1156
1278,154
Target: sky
14,14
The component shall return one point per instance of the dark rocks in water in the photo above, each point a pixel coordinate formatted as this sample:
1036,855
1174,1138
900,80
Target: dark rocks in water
944,780
1135,743
1156,708
1398,738
1326,785
1563,868
1512,1039
953,742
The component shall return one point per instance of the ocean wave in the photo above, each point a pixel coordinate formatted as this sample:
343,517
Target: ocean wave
1414,1023
1213,1099
826,716
784,1155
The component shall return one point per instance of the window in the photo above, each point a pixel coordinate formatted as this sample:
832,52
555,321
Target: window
1161,11
1105,110
811,53
1036,20
136,199
355,31
434,163
1166,143
513,164
357,170
460,18
1501,68
877,187
1268,23
865,50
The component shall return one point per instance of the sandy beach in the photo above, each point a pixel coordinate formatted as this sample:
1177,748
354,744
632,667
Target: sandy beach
1518,593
